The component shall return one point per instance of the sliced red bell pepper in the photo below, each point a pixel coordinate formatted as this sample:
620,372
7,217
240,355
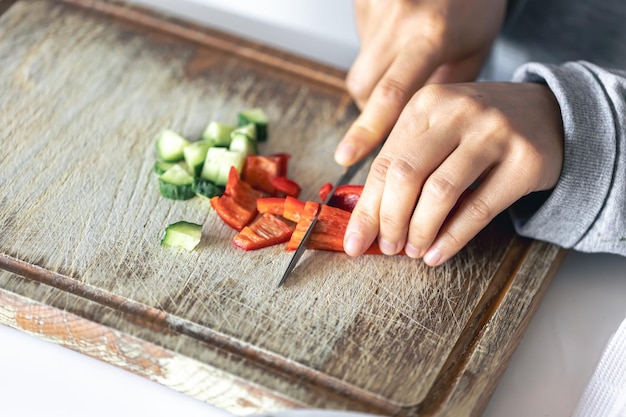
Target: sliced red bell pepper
293,209
237,206
345,196
273,205
286,186
328,232
260,170
266,230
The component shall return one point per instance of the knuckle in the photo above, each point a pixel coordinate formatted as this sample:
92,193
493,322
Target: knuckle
478,210
428,96
356,88
379,168
401,169
391,223
441,188
392,90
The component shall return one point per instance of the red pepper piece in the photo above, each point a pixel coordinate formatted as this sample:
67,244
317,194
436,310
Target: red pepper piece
266,230
328,232
286,186
260,170
293,209
345,196
273,205
237,206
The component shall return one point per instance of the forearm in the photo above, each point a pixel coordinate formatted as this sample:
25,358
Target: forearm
587,208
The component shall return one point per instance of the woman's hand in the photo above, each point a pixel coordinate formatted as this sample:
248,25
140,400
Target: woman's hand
404,45
507,136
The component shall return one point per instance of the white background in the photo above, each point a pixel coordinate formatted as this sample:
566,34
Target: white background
547,374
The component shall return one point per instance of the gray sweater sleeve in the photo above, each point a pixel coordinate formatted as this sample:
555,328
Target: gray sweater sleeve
586,210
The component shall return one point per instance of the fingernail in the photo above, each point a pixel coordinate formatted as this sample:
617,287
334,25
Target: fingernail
353,245
412,252
345,153
433,257
387,247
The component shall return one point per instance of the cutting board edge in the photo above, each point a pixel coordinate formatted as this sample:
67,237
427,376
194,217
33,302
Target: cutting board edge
167,367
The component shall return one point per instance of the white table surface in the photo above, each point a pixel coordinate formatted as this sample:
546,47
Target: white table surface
583,307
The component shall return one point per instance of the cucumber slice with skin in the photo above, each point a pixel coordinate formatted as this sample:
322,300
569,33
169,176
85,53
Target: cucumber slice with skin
195,154
257,117
249,130
161,166
176,183
170,145
182,234
218,133
206,188
244,144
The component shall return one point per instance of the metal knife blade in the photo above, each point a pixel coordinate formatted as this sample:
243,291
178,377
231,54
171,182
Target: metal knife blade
344,178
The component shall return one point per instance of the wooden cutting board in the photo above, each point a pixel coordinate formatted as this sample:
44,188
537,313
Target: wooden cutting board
86,87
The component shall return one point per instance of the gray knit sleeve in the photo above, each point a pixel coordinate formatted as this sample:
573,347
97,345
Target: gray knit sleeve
586,210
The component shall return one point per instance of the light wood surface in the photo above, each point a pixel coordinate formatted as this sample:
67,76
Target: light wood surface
86,87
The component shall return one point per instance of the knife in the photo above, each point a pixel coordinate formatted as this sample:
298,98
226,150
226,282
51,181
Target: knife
343,179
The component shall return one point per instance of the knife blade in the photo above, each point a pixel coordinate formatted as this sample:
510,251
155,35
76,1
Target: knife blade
343,179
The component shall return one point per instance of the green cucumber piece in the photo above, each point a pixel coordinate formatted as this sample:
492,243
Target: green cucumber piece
170,145
212,163
218,162
218,133
206,188
161,166
182,234
229,159
257,117
249,130
195,154
176,183
244,144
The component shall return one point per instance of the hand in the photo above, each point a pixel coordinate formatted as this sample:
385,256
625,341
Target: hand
406,44
509,136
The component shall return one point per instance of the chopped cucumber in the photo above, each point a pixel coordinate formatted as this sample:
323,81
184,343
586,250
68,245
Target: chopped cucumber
230,158
195,154
249,130
182,234
212,163
218,133
206,188
244,144
176,183
257,117
162,166
169,146
218,162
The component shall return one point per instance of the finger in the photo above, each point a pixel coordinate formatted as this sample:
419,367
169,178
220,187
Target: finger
404,77
406,174
363,226
370,65
497,192
442,190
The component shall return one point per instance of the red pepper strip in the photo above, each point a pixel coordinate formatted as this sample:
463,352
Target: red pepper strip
260,170
345,196
293,209
324,190
237,206
328,232
273,205
267,230
286,186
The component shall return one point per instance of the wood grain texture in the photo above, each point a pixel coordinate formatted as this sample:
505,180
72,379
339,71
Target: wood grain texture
85,92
